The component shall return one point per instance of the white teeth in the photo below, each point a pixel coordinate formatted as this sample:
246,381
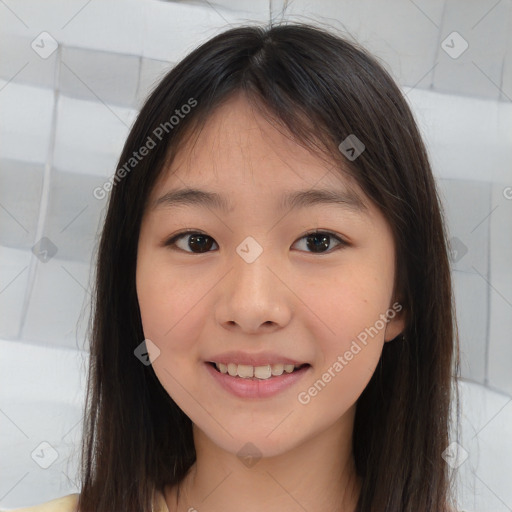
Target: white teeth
277,369
260,372
263,372
245,371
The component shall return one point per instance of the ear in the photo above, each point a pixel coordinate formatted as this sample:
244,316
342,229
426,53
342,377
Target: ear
396,315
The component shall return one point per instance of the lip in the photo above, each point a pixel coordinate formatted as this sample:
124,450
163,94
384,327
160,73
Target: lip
259,359
256,388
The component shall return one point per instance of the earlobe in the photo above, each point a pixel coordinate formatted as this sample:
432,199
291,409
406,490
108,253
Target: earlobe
396,323
398,337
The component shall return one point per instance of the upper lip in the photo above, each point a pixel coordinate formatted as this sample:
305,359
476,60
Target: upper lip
259,359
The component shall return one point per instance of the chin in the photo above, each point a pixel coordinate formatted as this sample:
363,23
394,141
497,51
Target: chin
256,443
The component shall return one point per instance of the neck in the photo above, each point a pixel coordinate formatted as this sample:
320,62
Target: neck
317,475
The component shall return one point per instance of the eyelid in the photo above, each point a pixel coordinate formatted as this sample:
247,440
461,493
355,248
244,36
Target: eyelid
342,242
326,232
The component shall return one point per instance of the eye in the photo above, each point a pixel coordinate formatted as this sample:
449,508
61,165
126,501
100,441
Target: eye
318,240
196,241
199,243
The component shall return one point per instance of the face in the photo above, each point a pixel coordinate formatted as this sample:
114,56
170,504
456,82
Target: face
250,285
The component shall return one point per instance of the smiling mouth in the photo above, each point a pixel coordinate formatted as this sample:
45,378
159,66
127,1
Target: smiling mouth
256,372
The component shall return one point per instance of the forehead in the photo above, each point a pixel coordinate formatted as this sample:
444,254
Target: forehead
238,149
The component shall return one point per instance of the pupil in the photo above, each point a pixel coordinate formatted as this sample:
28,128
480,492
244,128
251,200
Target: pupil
323,243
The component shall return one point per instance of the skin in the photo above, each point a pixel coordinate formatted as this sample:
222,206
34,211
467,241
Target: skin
298,303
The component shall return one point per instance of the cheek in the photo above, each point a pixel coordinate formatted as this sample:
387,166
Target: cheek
335,389
349,308
169,320
350,348
172,316
164,298
153,301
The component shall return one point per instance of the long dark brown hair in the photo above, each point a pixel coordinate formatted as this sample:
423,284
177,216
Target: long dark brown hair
319,87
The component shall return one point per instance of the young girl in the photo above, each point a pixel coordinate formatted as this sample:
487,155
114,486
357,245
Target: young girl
274,325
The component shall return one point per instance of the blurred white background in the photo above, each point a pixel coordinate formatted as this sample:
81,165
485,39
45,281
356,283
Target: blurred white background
72,78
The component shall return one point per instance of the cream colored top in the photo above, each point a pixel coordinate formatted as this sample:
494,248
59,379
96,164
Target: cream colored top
69,503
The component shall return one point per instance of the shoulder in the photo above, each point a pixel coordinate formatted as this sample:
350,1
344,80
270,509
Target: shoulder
63,504
69,503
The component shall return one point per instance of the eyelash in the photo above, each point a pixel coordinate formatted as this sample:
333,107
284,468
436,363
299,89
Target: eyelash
172,241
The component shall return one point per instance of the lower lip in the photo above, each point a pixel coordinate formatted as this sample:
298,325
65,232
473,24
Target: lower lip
256,388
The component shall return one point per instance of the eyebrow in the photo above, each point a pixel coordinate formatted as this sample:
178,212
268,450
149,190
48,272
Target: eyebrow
295,200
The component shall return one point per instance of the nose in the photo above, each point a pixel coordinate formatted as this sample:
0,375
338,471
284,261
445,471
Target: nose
253,296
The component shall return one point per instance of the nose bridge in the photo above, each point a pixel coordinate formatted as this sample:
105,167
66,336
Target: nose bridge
250,267
255,296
